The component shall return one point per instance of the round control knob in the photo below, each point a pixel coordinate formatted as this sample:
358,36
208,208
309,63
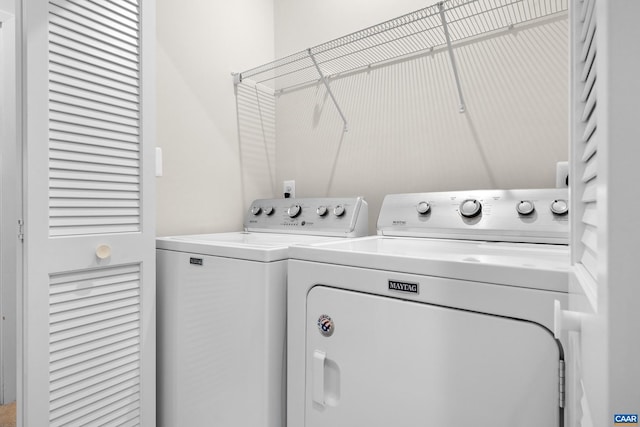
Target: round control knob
322,210
338,210
470,208
559,207
423,208
525,207
269,210
256,210
294,211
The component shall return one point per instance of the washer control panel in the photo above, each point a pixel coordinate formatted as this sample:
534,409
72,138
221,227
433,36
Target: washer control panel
533,215
316,216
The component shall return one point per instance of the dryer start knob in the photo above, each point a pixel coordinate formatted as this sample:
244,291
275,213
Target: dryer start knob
525,207
322,210
256,210
269,210
294,210
338,210
470,208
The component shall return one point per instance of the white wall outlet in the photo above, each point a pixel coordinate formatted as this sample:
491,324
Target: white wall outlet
562,174
289,188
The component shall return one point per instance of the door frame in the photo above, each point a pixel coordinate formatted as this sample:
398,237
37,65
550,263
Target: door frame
10,201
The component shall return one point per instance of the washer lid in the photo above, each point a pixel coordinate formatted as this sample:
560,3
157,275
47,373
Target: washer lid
263,247
537,266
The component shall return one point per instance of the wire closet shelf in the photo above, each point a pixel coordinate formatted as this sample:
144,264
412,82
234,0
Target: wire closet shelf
441,24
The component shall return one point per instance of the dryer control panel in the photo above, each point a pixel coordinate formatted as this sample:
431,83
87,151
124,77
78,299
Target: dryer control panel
341,216
531,216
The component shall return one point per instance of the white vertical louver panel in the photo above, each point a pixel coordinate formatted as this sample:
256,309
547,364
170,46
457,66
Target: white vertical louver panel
94,113
586,138
94,347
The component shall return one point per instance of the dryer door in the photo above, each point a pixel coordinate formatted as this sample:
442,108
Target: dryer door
378,362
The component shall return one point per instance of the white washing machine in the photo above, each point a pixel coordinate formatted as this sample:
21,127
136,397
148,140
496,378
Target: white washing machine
443,319
221,312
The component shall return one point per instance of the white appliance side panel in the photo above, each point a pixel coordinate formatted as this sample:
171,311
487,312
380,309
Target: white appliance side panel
400,363
221,341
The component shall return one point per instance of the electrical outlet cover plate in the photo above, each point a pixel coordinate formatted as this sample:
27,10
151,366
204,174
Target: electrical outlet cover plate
289,187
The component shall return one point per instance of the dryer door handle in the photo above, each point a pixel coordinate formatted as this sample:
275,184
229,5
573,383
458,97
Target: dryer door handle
318,377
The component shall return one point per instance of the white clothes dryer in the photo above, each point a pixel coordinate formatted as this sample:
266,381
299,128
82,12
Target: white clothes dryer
443,319
221,312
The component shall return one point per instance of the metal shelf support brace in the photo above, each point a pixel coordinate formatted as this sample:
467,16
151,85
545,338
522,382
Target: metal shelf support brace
451,56
328,87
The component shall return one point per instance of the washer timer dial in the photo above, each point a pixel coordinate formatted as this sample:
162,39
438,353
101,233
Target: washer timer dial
470,208
294,210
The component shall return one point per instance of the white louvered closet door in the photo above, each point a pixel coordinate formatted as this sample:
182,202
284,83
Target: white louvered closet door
602,369
88,347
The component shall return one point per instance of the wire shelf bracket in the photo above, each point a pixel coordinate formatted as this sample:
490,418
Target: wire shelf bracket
325,81
452,57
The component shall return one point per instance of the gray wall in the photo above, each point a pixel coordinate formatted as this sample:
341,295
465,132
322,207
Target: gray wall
223,149
200,44
405,131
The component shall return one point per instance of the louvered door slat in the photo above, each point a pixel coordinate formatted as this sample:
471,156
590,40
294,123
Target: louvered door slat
69,395
589,53
110,12
93,75
588,87
86,143
93,108
590,262
588,134
79,203
585,139
590,238
94,176
83,93
82,346
80,125
67,43
590,170
68,330
127,5
120,349
590,216
119,9
96,401
93,117
106,29
105,118
584,8
589,105
94,338
588,20
89,158
94,87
